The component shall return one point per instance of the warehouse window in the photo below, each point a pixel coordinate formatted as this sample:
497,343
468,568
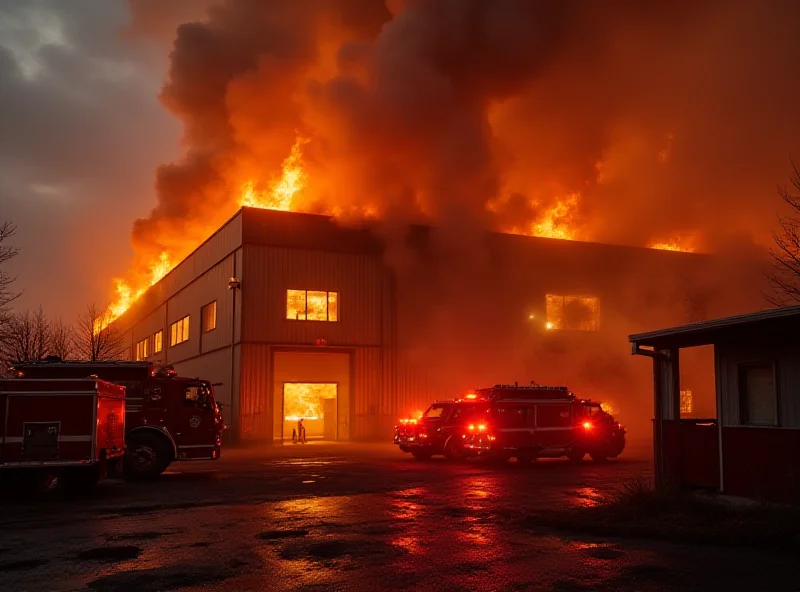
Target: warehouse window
179,331
757,395
573,313
158,342
209,317
142,348
308,305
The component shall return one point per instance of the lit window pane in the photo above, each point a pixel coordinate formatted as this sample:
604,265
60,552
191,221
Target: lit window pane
573,313
317,306
296,305
333,306
687,404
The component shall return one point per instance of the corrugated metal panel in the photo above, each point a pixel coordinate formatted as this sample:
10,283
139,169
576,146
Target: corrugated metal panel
270,272
254,410
369,395
211,286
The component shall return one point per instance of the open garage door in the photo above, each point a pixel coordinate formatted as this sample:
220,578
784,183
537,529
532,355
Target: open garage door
314,387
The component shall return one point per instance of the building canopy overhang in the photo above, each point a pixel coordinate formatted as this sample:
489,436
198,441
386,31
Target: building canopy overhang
775,324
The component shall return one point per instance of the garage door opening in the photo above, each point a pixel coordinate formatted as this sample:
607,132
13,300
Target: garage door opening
315,404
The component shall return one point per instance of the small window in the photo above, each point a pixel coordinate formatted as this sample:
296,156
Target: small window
687,402
158,342
209,317
573,313
757,396
434,411
179,331
195,396
310,305
142,348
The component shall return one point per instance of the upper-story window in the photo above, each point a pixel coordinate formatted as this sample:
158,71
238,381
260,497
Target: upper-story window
142,349
573,313
209,317
309,305
179,331
158,342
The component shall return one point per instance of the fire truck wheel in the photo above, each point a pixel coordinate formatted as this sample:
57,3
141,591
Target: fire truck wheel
421,455
576,454
453,451
145,457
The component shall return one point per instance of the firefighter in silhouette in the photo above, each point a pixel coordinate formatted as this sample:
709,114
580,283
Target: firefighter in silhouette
301,431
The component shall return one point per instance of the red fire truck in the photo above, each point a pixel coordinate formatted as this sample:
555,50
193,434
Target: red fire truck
169,417
441,428
530,422
70,429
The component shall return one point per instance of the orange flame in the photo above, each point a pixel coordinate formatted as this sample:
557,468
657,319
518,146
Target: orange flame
677,243
556,222
279,197
282,191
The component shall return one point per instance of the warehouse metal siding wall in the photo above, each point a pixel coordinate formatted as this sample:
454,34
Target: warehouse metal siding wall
255,412
271,271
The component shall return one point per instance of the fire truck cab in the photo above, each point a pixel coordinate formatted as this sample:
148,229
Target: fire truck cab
530,422
169,418
441,430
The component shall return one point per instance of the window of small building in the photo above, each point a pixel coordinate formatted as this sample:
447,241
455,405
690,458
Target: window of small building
757,395
687,403
158,342
311,305
573,313
209,317
142,348
179,331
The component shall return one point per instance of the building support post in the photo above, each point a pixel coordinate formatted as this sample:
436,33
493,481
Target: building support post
669,409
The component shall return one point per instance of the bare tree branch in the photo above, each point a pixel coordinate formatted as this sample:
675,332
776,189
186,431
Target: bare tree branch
93,343
7,252
784,279
62,337
25,337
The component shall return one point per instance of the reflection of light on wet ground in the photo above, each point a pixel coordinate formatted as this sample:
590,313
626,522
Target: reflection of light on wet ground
479,528
403,508
587,497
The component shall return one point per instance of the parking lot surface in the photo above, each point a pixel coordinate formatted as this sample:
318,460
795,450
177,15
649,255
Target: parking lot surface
353,517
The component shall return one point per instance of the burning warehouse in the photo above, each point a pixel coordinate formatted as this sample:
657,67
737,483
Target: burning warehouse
296,316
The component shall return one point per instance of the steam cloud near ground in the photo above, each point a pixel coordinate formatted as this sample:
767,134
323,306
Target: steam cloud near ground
668,118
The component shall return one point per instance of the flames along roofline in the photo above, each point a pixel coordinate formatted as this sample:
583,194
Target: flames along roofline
414,229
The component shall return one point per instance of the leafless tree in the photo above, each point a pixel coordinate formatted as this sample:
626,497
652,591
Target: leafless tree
95,337
785,276
7,252
62,338
25,337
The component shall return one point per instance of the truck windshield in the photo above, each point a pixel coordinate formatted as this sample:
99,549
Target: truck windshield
434,411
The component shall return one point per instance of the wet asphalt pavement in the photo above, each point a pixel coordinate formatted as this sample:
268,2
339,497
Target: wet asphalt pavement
353,517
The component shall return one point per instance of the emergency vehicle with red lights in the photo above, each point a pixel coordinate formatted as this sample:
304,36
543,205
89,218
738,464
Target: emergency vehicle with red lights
441,429
169,417
530,422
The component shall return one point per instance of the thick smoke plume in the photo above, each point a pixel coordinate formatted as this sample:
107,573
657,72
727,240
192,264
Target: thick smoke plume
623,121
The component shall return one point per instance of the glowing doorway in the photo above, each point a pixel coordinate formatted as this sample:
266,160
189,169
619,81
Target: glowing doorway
315,404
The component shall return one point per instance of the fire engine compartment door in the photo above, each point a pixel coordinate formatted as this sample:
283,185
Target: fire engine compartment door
554,424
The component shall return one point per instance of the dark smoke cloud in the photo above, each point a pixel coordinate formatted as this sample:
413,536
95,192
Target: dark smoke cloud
667,118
